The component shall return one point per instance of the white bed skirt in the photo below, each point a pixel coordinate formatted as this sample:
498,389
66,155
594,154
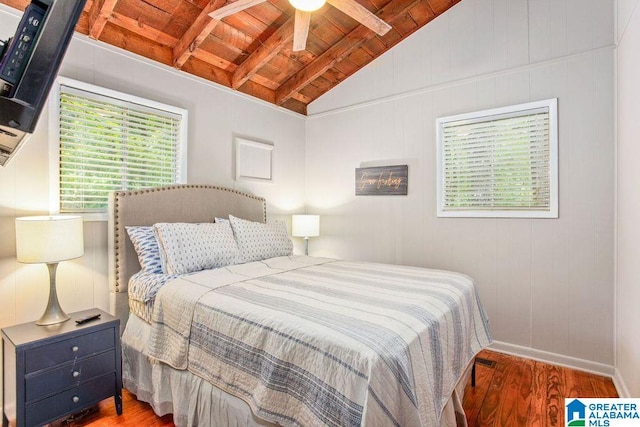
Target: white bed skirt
195,402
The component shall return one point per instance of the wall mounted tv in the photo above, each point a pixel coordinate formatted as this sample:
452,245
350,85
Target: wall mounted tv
29,63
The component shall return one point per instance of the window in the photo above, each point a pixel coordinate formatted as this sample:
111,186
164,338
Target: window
499,163
106,140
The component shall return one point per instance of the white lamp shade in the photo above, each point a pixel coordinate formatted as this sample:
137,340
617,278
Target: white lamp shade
49,239
305,225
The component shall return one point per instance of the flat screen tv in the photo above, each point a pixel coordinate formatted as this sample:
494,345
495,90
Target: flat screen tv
29,63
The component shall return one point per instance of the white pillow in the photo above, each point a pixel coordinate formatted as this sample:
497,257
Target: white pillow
258,241
193,247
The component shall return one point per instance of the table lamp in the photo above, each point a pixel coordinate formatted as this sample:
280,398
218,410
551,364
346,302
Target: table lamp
49,239
305,226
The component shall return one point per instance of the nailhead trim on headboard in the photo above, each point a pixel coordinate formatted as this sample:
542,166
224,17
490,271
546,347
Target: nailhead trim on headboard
119,195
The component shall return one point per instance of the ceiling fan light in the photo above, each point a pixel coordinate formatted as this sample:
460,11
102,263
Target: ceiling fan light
307,5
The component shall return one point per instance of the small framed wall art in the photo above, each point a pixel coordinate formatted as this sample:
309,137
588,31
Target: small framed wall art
254,160
382,181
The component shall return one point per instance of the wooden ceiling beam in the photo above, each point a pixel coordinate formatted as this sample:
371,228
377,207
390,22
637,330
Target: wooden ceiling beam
296,106
150,33
208,72
233,7
315,69
223,64
217,50
302,98
395,9
143,30
215,60
99,15
263,54
196,34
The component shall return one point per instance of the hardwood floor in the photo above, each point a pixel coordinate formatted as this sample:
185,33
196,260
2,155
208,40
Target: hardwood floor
524,392
512,392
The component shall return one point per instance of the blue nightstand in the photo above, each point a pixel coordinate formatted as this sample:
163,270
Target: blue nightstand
53,371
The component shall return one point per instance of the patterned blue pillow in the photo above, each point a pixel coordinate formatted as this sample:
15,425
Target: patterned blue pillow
146,246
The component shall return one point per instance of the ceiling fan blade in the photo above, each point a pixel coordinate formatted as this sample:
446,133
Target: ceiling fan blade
231,8
301,30
362,15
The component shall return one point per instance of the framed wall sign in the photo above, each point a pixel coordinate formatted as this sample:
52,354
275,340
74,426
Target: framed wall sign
254,160
382,181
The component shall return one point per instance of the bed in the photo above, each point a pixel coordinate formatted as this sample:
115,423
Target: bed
285,340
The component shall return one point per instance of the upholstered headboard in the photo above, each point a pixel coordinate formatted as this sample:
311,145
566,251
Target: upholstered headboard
178,203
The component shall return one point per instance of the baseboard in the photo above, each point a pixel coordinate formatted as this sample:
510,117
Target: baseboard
554,359
621,386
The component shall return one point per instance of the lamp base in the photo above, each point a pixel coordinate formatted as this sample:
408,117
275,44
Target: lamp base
53,313
52,318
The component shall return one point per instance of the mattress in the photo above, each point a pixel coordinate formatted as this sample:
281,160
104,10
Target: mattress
191,400
143,287
143,310
308,341
194,402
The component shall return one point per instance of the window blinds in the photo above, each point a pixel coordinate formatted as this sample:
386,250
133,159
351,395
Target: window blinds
498,162
109,144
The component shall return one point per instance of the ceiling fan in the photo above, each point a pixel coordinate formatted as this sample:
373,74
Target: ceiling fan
303,16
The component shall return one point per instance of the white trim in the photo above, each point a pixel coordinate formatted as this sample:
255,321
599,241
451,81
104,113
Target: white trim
54,149
117,96
549,106
621,386
10,11
54,135
616,20
504,112
553,358
616,24
459,82
615,215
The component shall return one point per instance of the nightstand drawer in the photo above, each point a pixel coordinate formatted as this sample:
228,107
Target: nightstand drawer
52,381
70,401
67,350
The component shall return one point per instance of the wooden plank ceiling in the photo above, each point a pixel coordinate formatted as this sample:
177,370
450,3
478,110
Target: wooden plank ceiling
251,50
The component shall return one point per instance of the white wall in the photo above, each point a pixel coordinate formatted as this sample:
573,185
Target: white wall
628,213
548,284
215,116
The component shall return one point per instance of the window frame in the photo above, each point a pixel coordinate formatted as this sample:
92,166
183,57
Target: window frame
552,212
54,136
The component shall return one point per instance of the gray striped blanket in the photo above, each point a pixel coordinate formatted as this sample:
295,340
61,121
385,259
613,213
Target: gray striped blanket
311,341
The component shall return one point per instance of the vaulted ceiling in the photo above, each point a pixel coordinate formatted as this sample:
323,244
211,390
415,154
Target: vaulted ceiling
251,50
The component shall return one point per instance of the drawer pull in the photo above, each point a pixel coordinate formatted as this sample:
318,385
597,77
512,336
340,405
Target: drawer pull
76,374
75,348
75,399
